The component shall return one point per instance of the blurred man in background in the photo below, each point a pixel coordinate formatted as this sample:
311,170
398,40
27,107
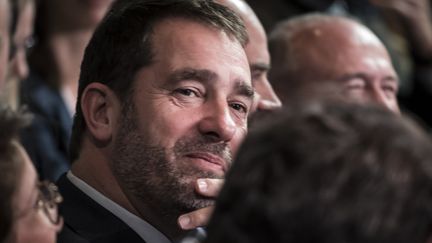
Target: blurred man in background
316,48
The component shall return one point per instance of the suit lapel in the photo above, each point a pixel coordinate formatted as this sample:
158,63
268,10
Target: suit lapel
86,219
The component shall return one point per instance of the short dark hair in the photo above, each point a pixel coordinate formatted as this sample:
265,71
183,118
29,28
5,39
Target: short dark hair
10,164
329,173
122,44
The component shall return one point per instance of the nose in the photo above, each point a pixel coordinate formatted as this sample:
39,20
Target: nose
267,98
217,123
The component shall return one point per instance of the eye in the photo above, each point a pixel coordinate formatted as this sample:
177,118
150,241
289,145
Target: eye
389,90
239,107
187,92
257,75
355,84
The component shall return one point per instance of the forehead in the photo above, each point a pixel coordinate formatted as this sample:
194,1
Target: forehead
344,48
256,49
181,43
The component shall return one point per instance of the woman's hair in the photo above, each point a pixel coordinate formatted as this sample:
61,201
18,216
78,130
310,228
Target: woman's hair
10,164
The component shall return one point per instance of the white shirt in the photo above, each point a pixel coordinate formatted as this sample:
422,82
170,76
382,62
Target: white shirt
146,231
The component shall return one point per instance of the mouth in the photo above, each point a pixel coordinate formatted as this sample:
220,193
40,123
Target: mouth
208,161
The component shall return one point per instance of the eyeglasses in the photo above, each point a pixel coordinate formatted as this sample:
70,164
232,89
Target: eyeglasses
48,200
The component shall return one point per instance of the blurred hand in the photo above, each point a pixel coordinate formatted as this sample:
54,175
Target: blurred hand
206,187
412,9
415,15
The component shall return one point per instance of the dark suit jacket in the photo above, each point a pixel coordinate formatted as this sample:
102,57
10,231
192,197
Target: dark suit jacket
46,139
85,221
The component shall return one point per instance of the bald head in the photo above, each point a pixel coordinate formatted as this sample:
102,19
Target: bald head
314,49
257,53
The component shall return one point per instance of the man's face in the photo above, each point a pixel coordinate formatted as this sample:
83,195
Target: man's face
187,116
257,54
357,60
259,61
4,40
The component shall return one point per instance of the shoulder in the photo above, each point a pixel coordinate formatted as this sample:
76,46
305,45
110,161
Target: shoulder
85,220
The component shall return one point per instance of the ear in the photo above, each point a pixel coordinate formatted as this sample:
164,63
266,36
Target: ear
100,107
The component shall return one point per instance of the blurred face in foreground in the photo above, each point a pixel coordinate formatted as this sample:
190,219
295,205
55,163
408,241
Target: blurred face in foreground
36,217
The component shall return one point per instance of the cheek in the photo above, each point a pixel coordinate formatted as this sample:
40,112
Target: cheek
35,228
259,85
238,140
167,127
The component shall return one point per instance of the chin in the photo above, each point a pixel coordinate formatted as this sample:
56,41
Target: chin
188,199
197,202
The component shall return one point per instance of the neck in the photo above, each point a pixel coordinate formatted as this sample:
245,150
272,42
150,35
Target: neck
93,168
165,222
96,171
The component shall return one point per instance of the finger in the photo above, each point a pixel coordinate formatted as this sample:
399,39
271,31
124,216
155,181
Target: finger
195,219
209,187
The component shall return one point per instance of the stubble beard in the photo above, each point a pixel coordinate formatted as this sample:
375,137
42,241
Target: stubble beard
153,174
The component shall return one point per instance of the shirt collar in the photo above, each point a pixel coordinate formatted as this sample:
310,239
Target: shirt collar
145,230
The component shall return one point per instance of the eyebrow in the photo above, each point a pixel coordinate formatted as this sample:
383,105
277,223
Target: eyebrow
206,76
388,78
201,75
260,66
245,89
349,76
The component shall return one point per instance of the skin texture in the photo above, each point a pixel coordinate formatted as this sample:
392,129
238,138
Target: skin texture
198,94
334,50
4,40
266,99
31,224
258,55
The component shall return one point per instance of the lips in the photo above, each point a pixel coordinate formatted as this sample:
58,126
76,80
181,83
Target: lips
210,158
